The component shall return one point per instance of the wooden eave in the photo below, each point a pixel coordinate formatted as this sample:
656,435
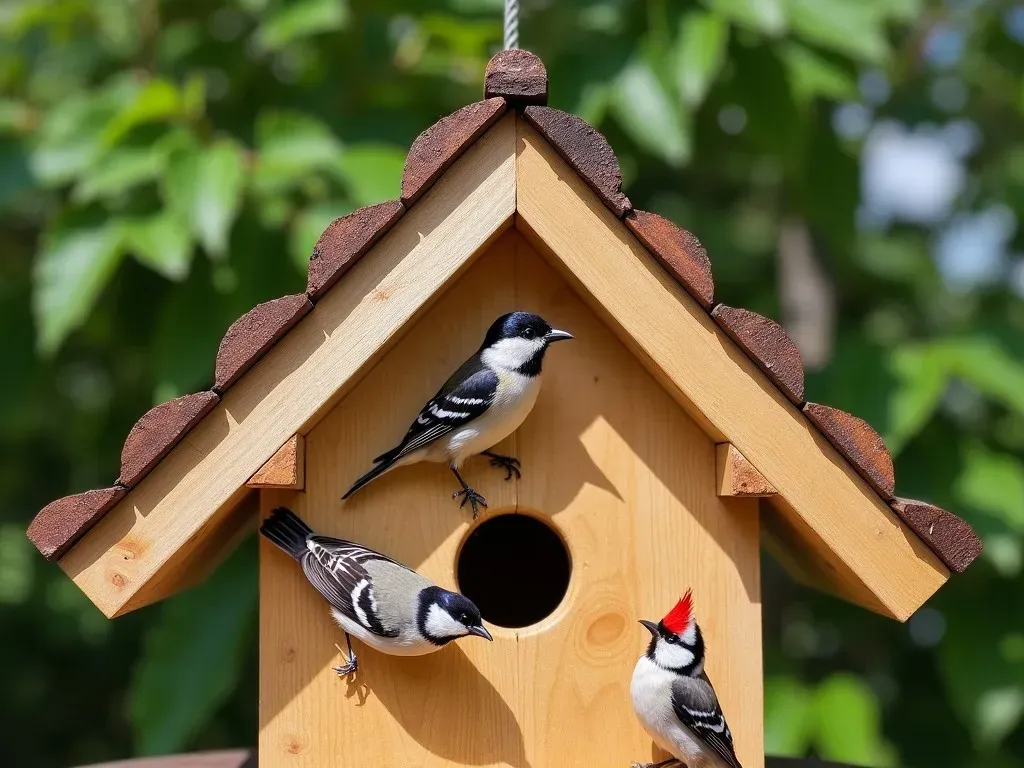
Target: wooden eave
505,160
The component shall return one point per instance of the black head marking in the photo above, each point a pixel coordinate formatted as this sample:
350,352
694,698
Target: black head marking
516,325
459,607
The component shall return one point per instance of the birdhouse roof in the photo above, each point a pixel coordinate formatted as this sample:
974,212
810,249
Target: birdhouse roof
467,178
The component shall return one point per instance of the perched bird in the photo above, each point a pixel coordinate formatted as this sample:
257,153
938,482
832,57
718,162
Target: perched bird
482,403
673,697
386,605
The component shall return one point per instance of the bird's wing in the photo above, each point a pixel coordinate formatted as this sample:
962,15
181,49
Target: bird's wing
337,569
696,705
464,397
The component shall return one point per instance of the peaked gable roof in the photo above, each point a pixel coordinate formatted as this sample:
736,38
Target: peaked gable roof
515,81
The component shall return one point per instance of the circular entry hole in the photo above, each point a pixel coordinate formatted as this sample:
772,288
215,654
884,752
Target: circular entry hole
515,568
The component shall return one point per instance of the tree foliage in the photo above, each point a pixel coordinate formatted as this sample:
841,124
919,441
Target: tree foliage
167,164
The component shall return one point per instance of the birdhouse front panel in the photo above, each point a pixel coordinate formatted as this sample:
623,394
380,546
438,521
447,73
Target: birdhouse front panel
611,464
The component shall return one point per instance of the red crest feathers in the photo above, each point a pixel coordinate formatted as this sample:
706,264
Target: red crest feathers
679,618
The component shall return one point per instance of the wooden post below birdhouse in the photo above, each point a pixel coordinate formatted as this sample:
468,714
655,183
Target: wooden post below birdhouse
668,438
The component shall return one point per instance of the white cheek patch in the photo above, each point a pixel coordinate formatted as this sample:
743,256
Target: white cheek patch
441,624
690,634
511,354
672,656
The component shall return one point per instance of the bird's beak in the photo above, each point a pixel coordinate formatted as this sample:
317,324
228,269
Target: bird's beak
555,335
651,626
480,631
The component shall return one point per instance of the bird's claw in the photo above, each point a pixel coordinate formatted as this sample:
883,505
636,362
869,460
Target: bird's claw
509,463
474,499
346,669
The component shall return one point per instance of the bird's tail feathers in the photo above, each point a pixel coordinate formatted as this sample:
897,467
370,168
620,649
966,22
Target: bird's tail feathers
384,462
287,530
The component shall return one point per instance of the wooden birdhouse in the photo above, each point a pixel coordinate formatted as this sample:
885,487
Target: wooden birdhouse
670,439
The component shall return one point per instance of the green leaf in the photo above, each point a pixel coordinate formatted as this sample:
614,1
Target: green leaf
993,483
204,187
985,364
767,16
291,146
158,101
373,172
852,28
650,115
811,76
921,378
15,117
192,656
699,54
70,273
299,19
308,227
160,242
849,723
120,170
788,721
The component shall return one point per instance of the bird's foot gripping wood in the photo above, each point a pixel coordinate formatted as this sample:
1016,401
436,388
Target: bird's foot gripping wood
509,463
350,667
475,499
671,763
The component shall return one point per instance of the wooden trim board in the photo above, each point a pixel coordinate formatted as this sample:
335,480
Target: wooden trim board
286,469
119,563
737,476
717,383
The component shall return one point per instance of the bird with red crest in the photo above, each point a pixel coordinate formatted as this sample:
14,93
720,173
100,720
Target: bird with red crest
673,698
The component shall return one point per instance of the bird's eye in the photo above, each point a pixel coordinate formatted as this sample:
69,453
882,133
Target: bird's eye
671,639
464,618
529,333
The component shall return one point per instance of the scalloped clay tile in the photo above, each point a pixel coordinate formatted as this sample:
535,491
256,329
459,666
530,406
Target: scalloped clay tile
679,251
61,523
586,150
255,332
345,240
857,440
767,344
436,148
518,76
156,433
949,537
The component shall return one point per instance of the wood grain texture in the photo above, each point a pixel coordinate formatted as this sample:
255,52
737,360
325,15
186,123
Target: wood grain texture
251,335
737,476
678,251
434,150
285,469
58,525
299,379
586,150
768,345
518,76
951,538
608,459
158,431
698,363
858,441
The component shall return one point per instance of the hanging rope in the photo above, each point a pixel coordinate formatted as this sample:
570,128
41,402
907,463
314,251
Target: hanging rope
511,24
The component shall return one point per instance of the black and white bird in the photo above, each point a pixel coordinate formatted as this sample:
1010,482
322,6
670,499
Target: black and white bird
480,405
673,697
380,601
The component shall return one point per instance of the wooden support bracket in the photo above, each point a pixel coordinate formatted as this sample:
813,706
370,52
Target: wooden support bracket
737,476
285,469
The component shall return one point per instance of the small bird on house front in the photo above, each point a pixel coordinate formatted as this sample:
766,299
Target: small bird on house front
383,603
673,697
482,403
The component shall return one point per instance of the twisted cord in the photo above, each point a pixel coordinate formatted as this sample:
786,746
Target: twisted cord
511,24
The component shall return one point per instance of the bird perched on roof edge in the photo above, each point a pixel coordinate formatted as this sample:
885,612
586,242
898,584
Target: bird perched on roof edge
383,603
674,699
480,405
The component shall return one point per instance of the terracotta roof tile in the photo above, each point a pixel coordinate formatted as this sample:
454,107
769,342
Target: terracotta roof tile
158,431
949,537
251,335
63,522
586,150
767,344
679,251
862,446
518,76
345,240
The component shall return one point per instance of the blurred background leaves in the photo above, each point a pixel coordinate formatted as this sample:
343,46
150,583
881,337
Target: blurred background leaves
854,167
